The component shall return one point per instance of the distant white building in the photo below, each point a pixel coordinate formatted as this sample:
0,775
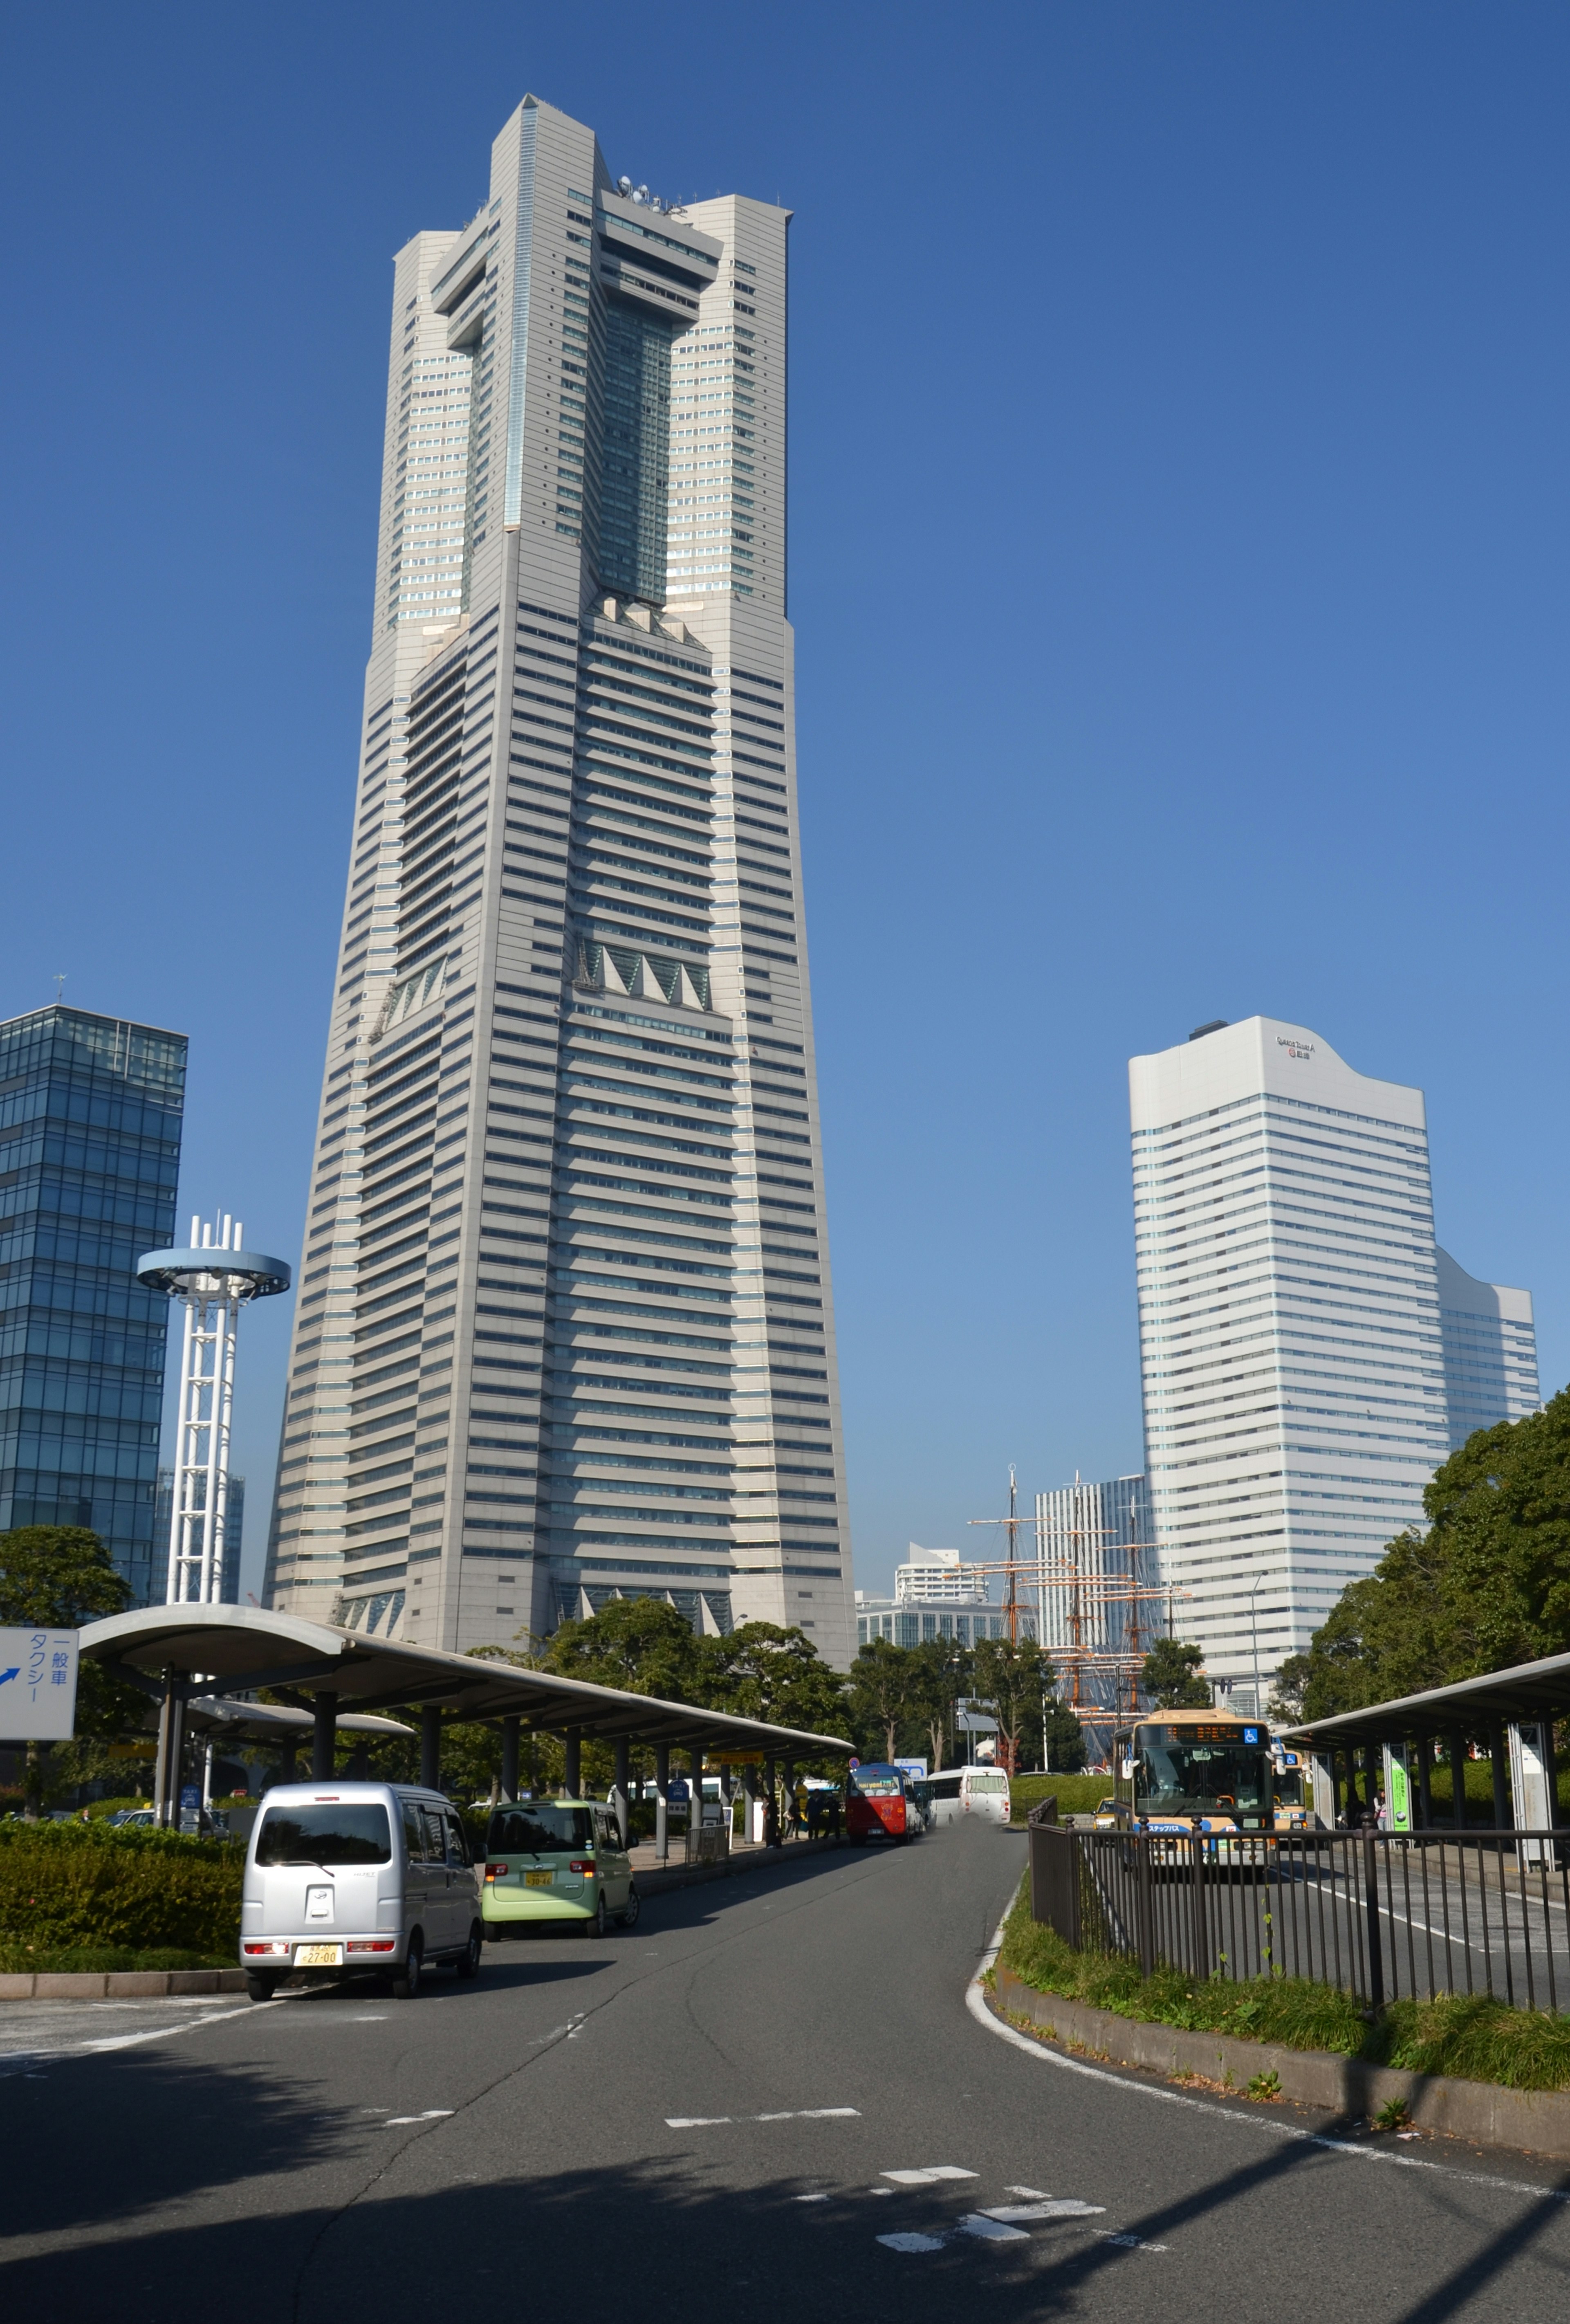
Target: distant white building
936,1577
1491,1352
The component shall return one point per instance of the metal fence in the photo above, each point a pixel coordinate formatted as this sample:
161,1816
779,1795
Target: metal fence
1380,1914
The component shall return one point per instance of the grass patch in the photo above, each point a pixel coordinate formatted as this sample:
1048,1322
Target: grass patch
1076,1794
1468,2036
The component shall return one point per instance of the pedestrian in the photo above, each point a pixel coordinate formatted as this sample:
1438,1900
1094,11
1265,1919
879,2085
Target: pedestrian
1382,1815
814,1814
799,1810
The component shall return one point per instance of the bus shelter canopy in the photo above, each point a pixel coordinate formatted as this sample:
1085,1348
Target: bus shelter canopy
186,1650
1530,1690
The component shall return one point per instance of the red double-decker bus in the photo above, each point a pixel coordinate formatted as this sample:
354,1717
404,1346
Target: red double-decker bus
879,1804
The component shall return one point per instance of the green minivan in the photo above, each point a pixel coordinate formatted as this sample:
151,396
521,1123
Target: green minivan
558,1860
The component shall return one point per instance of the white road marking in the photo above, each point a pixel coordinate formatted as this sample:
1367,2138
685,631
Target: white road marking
913,2243
1130,2243
431,2114
930,2176
975,2002
795,2113
991,2230
817,2199
1046,2211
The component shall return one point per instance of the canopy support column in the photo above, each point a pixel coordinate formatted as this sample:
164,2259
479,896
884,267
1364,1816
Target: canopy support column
574,1753
1457,1779
324,1735
662,1785
171,1724
509,1738
1425,1784
430,1746
1501,1814
619,1795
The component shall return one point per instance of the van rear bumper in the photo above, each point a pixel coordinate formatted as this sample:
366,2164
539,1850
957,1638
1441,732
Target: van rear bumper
360,1949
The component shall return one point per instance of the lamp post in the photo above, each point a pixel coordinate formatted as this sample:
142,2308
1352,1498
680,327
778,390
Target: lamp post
1253,1624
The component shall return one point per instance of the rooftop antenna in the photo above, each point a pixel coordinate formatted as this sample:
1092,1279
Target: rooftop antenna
59,988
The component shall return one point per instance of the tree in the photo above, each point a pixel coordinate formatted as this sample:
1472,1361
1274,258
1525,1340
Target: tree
1012,1678
1172,1676
761,1671
641,1643
939,1673
58,1578
884,1682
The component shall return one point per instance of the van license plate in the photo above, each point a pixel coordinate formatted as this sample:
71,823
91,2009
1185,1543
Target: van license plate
538,1880
318,1956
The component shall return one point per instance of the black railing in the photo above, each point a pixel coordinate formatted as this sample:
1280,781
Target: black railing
1379,1915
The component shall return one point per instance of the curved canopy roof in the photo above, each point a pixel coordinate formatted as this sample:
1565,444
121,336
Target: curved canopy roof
1539,1690
245,1647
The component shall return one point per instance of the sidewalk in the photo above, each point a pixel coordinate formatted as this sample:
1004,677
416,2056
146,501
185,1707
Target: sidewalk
654,1879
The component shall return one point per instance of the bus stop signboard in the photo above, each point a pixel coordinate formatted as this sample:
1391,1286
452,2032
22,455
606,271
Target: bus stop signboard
38,1685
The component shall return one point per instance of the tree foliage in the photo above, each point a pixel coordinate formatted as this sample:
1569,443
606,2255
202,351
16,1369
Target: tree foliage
59,1578
1172,1676
1486,1586
641,1643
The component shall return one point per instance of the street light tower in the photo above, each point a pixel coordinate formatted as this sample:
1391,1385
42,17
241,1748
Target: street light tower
214,1279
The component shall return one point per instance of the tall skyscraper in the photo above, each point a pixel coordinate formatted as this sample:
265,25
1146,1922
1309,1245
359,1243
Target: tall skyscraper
1303,1360
91,1114
565,1327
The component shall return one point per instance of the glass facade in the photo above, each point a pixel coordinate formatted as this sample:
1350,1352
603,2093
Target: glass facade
90,1113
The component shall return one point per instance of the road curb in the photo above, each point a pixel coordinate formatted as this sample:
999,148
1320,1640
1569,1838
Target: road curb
117,1984
1537,2122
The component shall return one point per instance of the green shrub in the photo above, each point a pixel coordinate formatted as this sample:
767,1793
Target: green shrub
1468,2036
75,1959
1076,1794
65,1886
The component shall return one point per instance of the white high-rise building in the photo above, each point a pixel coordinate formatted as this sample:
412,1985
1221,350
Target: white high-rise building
565,1327
1306,1348
938,1577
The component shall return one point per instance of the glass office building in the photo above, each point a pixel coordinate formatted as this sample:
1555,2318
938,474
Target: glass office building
90,1113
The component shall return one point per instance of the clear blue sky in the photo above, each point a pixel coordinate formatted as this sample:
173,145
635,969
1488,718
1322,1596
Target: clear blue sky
1179,562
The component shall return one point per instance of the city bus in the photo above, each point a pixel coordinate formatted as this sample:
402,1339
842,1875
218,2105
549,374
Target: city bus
880,1803
1196,1771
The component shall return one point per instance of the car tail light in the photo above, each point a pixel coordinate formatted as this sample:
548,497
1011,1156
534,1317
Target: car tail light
583,1864
495,1871
370,1945
278,1946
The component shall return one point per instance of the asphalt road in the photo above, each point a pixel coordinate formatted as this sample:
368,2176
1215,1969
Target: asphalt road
709,2118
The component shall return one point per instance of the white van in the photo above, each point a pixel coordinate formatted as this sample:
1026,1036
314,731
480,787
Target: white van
970,1791
357,1875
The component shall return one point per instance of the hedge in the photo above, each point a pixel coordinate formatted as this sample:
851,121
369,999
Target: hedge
134,1888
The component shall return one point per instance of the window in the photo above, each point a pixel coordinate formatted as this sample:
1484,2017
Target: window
326,1832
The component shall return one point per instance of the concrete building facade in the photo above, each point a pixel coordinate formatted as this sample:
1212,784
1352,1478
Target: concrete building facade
566,1326
1307,1351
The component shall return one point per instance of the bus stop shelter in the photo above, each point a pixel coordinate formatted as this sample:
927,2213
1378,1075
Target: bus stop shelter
1512,1710
177,1655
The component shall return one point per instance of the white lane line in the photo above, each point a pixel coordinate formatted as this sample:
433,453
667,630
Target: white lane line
1130,2243
913,2243
431,2114
975,2002
795,2113
928,2177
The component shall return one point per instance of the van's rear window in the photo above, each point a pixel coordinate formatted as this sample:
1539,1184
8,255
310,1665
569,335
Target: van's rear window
539,1828
330,1832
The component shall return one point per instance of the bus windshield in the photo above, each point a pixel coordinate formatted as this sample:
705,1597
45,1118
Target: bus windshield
1177,1777
878,1782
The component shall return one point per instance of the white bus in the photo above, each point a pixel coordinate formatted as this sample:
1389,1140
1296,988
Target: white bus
970,1791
